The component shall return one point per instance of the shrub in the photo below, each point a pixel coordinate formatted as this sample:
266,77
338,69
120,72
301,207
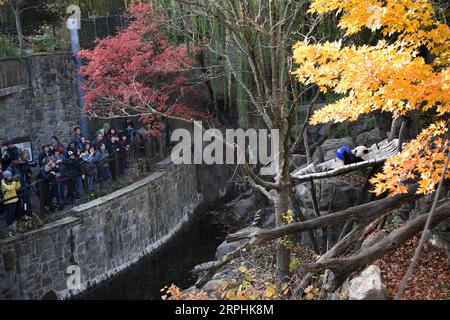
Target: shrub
43,42
7,47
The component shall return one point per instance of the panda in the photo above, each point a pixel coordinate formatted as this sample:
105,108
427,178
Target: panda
345,156
361,153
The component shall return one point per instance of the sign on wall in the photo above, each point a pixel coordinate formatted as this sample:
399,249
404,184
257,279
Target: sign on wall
22,143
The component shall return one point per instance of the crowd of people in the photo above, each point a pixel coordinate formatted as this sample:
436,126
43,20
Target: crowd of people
64,172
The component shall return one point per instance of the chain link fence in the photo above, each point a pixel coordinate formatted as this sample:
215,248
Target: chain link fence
91,30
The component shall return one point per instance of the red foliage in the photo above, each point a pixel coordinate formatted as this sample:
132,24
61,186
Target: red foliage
431,278
136,71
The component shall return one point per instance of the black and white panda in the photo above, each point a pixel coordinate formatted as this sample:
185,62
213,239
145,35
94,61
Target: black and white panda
361,153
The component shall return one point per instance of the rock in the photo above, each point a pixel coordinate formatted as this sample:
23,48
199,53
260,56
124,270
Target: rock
317,135
364,124
346,194
227,247
298,160
212,287
317,156
368,285
342,292
203,265
329,147
368,138
191,290
241,208
441,237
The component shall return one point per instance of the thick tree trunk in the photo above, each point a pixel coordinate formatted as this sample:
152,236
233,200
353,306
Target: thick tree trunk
281,207
281,202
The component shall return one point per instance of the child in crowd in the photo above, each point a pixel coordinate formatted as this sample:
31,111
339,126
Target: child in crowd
89,168
10,186
104,174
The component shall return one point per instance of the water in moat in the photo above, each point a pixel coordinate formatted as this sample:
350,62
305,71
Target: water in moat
195,243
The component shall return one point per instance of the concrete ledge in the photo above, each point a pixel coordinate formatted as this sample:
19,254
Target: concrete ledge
14,89
60,223
164,164
117,194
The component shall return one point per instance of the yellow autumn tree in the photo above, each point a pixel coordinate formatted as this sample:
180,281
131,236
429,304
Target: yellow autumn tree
390,76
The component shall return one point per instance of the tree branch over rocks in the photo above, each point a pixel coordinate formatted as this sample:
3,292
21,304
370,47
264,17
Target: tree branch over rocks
360,214
346,266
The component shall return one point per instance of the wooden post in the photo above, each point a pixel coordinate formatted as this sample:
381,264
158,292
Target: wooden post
313,189
401,133
393,132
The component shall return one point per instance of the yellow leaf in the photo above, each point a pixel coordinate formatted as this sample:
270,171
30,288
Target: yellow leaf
270,292
243,269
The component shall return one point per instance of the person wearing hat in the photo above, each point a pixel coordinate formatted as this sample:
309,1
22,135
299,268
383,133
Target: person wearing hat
10,186
71,147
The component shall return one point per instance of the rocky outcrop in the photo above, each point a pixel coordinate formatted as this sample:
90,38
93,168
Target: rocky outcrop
368,138
227,247
242,210
368,285
345,195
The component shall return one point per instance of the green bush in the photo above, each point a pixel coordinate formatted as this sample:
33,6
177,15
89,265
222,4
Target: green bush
7,47
43,42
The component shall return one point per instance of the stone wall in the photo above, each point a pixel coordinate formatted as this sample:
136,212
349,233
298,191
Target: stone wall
106,235
42,103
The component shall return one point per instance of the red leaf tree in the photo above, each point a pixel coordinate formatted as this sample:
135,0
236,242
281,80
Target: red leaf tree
138,72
